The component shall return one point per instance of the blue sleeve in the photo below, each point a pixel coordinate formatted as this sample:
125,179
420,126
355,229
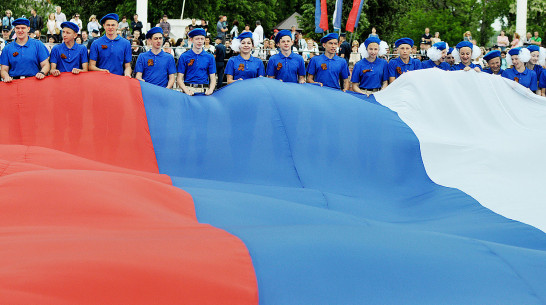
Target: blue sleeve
182,64
355,78
505,74
542,80
54,58
229,67
128,53
212,65
417,64
311,69
4,60
261,68
385,72
392,69
533,81
271,67
171,68
139,66
345,70
94,52
43,52
84,56
301,68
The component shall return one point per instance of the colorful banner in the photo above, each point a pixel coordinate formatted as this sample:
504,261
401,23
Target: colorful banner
336,18
354,15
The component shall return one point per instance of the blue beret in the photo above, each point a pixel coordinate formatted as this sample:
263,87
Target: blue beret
514,51
464,44
281,34
71,25
440,45
450,50
153,31
21,21
110,16
371,40
492,54
533,48
197,32
245,35
404,41
329,37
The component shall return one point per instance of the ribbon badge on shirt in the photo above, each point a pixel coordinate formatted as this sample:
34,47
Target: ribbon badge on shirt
191,62
104,46
279,66
63,56
399,70
241,67
15,54
516,79
324,66
366,71
150,62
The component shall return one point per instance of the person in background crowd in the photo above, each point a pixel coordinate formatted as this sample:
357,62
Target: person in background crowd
80,41
286,66
76,20
436,38
110,52
527,41
243,66
209,48
519,73
247,29
344,48
138,38
235,29
69,56
371,74
311,50
38,36
355,55
51,42
258,33
515,41
327,69
180,46
422,55
467,36
229,52
373,33
51,26
94,36
533,64
136,25
5,35
426,39
197,68
502,41
193,25
464,53
7,22
219,57
24,57
167,48
437,54
493,59
221,27
124,27
36,21
302,44
93,24
537,41
60,17
504,64
404,63
166,26
155,66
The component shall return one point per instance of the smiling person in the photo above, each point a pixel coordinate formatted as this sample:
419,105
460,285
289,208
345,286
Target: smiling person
327,69
243,66
24,57
465,52
286,66
111,52
69,56
519,73
493,59
156,66
437,54
533,62
371,73
403,63
196,67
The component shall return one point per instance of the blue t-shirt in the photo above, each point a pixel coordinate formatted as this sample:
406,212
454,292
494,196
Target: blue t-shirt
285,68
196,67
156,69
328,71
370,75
24,60
397,67
111,54
461,66
68,58
489,71
527,78
431,64
241,68
538,70
542,80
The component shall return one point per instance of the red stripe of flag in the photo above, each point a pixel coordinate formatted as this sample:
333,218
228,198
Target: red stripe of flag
323,15
350,26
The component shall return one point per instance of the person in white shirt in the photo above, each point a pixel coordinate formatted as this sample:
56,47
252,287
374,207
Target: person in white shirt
59,17
258,34
77,21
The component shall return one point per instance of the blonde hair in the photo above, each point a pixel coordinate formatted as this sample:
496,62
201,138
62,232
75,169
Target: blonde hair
9,12
92,17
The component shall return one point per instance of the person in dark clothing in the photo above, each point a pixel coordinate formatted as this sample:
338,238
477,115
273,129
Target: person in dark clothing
220,56
136,25
36,21
344,48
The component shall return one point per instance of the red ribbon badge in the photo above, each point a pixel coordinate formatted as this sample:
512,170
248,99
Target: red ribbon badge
399,70
241,67
516,79
150,62
324,66
104,46
191,62
15,54
366,71
279,66
63,56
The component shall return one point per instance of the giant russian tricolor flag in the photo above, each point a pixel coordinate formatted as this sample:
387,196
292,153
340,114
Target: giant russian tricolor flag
114,191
